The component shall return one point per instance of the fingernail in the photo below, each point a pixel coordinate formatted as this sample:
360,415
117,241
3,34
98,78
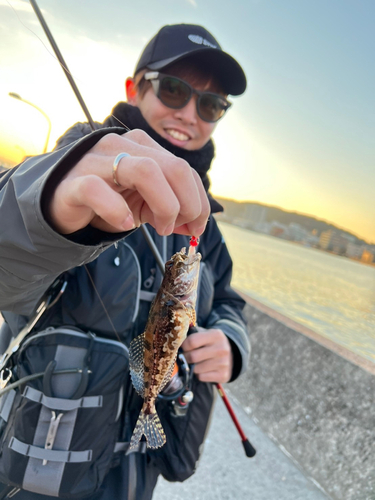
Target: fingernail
128,223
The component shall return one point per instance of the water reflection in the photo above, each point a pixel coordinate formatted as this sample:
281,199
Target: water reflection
332,295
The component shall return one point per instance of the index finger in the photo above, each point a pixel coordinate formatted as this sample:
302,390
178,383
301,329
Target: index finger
197,226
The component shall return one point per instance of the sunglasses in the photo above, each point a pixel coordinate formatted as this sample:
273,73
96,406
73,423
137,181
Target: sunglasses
176,93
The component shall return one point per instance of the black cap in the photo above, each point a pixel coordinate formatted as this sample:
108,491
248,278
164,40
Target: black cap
175,42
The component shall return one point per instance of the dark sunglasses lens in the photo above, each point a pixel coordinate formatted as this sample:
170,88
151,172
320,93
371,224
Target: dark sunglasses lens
211,107
173,92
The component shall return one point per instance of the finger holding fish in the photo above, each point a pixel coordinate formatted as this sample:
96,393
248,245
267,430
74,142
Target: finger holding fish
152,185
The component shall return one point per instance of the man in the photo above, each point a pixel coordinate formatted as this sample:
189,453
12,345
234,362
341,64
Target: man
95,189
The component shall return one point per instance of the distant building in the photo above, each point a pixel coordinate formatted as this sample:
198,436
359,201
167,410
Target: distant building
354,251
325,239
263,227
255,214
297,232
367,256
279,230
311,240
239,221
333,241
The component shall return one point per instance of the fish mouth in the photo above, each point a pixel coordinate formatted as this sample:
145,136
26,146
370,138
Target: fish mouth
186,283
181,277
190,265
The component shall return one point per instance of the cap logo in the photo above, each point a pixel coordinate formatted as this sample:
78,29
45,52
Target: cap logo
199,40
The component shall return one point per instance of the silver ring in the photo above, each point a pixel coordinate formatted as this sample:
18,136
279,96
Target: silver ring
115,165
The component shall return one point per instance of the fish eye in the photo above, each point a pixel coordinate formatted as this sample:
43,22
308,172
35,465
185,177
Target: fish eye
170,303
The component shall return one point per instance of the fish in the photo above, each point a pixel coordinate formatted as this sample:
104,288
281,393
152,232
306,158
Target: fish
152,354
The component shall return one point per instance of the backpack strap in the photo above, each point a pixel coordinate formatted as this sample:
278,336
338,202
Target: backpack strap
29,450
52,295
123,447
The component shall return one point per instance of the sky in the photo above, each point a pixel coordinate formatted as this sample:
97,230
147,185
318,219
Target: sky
300,138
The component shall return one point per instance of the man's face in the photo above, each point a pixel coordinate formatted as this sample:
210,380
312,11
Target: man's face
181,127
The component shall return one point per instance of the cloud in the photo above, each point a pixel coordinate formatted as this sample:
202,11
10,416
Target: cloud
191,2
16,5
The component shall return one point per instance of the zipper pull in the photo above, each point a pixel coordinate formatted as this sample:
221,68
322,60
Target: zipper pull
13,492
150,280
5,376
52,431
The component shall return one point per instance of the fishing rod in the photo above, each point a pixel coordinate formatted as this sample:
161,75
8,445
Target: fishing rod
249,449
63,64
77,93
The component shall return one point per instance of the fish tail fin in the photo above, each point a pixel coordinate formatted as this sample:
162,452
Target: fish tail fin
149,426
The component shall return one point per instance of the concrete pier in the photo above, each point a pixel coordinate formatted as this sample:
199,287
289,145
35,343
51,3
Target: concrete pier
307,405
225,473
317,401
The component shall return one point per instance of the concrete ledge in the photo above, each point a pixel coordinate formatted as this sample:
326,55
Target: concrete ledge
364,363
316,399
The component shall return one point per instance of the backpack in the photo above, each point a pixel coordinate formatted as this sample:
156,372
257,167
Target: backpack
61,424
60,433
60,420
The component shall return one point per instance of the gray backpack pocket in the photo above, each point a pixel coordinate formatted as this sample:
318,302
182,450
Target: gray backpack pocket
58,430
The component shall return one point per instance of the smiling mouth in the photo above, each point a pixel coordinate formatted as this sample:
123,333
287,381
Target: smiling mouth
177,135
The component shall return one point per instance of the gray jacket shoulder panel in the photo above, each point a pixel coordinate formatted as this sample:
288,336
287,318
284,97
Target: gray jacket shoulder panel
32,254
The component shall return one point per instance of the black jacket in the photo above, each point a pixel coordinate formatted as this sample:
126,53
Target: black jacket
122,267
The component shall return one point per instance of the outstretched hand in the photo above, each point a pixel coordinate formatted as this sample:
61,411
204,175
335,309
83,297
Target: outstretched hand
155,187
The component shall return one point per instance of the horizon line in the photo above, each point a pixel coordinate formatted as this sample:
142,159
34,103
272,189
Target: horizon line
368,242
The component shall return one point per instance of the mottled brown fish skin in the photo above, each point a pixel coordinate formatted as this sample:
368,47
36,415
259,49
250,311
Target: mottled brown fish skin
171,314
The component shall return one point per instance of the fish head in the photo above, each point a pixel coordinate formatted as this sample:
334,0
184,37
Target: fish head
181,279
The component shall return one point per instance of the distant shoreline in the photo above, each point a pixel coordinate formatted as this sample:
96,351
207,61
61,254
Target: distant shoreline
234,209
369,264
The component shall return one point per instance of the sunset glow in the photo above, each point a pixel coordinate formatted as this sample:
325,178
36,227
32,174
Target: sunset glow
300,138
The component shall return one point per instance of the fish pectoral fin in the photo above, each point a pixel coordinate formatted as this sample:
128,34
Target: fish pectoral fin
136,363
149,426
167,376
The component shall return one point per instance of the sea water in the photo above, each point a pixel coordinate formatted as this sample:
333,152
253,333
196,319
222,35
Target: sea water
332,295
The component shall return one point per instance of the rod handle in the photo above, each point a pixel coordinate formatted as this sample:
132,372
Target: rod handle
250,451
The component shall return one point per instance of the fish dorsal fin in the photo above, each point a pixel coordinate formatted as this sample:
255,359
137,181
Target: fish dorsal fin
136,363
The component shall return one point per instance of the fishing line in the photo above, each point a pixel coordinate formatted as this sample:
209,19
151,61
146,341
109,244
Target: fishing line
59,60
103,305
37,36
